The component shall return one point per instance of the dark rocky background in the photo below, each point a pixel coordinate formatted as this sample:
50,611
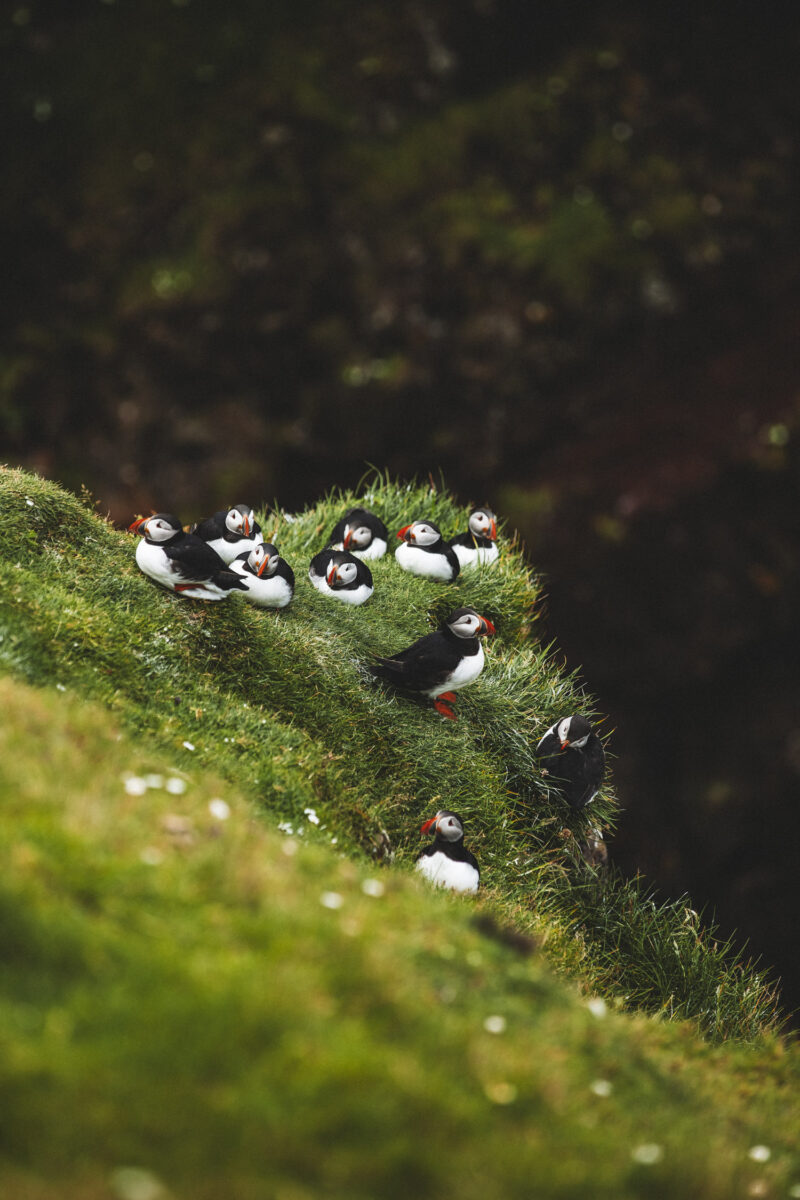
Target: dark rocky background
552,253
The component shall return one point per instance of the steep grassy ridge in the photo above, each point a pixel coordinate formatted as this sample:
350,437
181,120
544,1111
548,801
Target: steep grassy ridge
194,1007
282,705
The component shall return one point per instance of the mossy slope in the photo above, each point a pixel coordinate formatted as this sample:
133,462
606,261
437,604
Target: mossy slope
198,1008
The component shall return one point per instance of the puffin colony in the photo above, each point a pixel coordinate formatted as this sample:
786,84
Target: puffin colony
227,553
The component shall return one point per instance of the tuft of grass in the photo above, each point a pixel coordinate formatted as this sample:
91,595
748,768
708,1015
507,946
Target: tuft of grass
281,704
196,1007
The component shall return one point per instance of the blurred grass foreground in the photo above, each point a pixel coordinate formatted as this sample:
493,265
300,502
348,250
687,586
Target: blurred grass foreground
221,978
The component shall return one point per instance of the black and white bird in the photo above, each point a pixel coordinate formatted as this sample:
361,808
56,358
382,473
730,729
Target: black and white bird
339,574
182,562
479,544
572,755
447,862
270,579
440,663
230,532
360,532
425,552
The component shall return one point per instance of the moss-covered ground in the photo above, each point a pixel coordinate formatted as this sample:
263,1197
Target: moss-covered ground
201,1005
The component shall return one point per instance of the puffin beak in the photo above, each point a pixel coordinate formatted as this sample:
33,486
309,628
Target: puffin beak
403,532
331,576
264,565
246,527
486,626
426,828
136,526
348,537
493,531
564,745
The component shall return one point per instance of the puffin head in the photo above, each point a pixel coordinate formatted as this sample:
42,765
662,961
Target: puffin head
341,572
573,731
161,527
483,522
420,533
357,537
447,825
240,519
466,623
263,560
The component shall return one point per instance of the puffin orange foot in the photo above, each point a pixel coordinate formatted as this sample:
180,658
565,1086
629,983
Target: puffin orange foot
444,709
450,697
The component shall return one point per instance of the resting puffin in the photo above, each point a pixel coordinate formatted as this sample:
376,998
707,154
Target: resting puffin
479,544
572,753
270,579
230,533
339,574
447,862
182,562
440,663
360,532
425,552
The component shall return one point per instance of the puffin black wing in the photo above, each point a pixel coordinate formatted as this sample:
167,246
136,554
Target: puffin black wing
424,665
195,561
211,528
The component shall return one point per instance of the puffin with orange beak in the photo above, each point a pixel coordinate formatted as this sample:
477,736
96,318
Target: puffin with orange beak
479,544
447,862
182,562
360,532
423,551
270,579
439,664
230,532
339,574
572,755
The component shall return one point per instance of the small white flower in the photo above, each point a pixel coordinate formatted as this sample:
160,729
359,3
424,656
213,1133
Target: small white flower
648,1154
495,1024
285,827
372,887
175,786
331,900
29,502
759,1153
188,746
219,809
154,781
334,841
597,1007
312,816
151,855
500,1092
135,786
601,1087
60,687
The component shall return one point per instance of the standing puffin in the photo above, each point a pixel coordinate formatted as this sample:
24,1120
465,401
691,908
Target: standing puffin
572,753
425,552
447,862
270,579
339,574
360,532
440,663
230,533
182,562
479,544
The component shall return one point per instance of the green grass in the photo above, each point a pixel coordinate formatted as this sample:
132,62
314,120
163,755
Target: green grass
177,998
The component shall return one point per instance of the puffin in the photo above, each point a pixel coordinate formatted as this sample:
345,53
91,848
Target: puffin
447,862
572,753
340,574
270,579
440,663
425,552
230,532
181,561
479,544
360,532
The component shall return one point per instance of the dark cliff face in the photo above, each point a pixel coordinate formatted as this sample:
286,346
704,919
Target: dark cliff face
249,249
